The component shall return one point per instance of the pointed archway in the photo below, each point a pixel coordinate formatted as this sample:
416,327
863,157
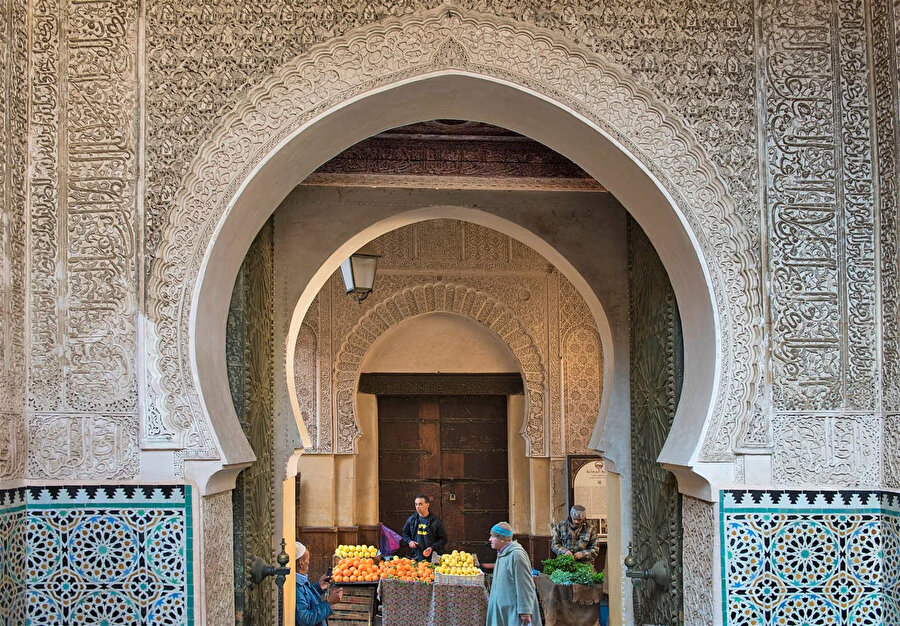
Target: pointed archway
450,64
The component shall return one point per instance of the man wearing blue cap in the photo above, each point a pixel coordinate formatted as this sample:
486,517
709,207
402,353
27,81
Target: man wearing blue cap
513,598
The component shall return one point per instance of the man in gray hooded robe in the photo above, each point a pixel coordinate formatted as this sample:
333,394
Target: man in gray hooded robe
513,598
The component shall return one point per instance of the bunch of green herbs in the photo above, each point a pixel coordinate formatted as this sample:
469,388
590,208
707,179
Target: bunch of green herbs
564,570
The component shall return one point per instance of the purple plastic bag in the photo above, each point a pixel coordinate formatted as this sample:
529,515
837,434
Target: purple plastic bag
389,542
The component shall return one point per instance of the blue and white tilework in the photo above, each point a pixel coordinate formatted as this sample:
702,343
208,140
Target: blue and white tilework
106,555
12,556
810,558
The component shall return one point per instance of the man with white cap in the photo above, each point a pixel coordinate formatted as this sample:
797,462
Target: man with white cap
312,607
513,600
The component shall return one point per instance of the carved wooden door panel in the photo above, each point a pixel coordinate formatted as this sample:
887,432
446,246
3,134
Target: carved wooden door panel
409,461
454,450
656,370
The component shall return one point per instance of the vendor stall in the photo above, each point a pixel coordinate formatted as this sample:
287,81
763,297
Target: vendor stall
453,595
569,605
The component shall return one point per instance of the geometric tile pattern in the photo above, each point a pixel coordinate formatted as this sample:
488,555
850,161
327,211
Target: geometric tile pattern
106,555
812,558
12,553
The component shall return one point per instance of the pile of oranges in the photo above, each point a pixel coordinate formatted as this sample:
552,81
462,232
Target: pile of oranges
355,569
407,569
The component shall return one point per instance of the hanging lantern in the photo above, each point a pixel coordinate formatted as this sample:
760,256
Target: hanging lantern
359,275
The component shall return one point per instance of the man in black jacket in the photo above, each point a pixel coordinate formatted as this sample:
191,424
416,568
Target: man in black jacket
424,533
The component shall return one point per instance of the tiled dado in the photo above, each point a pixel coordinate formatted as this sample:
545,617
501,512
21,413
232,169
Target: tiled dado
12,552
810,557
96,555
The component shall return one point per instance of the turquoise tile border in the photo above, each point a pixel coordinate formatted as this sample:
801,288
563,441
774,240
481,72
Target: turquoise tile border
91,575
827,557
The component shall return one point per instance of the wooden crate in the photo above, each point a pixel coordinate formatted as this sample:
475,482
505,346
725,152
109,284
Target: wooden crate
357,607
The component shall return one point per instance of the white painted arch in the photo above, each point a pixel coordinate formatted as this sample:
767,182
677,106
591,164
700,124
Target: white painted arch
463,96
438,342
447,64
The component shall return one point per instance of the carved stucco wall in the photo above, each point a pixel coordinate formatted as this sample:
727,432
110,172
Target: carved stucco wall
885,20
797,112
823,201
84,229
218,551
452,266
807,226
616,101
699,527
13,117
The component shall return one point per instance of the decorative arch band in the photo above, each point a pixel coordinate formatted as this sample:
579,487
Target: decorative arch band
439,297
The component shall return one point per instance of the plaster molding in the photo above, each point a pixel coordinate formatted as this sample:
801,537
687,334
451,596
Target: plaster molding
83,446
698,522
835,450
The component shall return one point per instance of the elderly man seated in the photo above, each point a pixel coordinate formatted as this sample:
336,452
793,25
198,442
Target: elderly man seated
576,537
313,604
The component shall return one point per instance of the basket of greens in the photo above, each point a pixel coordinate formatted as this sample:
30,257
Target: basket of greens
564,570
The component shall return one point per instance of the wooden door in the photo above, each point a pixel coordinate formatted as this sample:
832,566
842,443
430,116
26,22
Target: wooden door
453,449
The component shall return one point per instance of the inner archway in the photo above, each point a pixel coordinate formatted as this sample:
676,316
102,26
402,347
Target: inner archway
455,442
483,278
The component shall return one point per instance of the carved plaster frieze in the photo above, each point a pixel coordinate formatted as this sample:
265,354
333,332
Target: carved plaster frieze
890,458
582,382
885,84
83,207
827,450
12,445
63,446
397,49
306,381
698,523
821,206
582,368
557,425
13,151
462,300
218,558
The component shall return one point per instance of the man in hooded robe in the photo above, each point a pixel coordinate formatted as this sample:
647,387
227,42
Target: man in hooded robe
513,598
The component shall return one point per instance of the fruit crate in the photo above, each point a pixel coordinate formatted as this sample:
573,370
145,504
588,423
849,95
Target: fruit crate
335,559
357,607
452,579
436,559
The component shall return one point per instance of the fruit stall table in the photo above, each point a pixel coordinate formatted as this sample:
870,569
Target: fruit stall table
409,602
